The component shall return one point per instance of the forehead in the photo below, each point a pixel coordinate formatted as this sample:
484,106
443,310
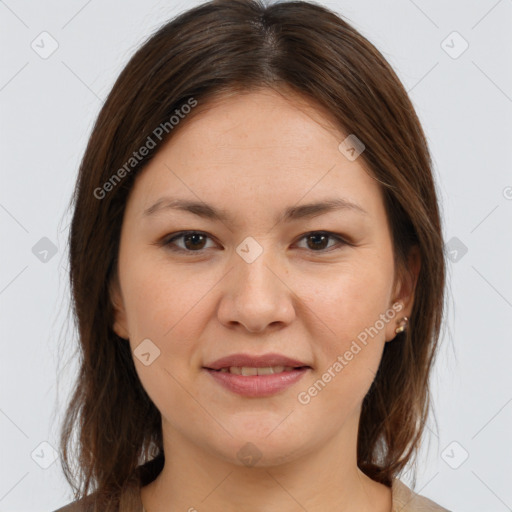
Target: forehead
263,119
254,150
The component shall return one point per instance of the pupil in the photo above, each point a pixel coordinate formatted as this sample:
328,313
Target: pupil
315,237
194,237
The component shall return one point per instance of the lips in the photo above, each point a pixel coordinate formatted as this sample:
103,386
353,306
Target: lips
262,361
258,386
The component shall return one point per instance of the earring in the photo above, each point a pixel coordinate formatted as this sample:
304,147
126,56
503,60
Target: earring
403,323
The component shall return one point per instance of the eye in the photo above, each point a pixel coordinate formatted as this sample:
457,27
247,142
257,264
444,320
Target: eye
194,241
319,240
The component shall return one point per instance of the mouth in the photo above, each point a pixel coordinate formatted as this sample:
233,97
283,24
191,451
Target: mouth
249,371
249,365
261,377
256,375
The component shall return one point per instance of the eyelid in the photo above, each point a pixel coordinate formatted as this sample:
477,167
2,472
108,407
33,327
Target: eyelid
168,239
341,240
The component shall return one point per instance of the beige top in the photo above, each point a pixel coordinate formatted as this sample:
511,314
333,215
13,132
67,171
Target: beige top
403,499
406,500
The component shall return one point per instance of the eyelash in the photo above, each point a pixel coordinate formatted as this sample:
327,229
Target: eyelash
168,242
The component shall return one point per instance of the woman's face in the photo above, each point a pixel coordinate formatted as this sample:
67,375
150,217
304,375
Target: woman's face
257,281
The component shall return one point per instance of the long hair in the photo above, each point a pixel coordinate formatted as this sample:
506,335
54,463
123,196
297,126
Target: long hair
225,47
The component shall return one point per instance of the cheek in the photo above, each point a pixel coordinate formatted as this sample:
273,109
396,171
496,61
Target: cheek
349,332
350,299
165,305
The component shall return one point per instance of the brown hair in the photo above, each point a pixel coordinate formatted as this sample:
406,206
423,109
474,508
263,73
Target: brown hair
236,46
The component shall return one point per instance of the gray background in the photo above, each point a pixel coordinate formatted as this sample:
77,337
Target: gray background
464,100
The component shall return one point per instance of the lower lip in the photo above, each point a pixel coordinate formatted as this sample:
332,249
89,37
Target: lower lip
257,385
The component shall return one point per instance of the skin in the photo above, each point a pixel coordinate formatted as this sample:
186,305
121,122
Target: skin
254,154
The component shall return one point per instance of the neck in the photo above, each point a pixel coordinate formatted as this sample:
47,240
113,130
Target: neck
325,477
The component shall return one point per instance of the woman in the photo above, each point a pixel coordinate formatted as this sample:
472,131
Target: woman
257,269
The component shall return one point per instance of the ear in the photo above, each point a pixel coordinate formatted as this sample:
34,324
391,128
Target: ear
405,287
119,326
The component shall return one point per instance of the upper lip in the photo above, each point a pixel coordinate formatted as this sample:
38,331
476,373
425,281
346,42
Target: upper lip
263,361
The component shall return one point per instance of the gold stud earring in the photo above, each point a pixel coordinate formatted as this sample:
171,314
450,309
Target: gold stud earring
403,323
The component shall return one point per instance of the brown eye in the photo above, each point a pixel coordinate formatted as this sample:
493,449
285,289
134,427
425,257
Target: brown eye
193,241
318,241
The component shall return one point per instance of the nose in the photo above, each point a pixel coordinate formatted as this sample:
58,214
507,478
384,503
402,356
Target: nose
257,295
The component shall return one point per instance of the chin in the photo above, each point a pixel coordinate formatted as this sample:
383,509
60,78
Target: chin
254,449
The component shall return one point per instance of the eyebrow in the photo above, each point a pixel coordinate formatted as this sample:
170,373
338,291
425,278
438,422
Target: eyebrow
291,213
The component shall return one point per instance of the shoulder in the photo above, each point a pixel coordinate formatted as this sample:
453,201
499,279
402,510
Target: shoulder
82,505
71,507
406,500
128,500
